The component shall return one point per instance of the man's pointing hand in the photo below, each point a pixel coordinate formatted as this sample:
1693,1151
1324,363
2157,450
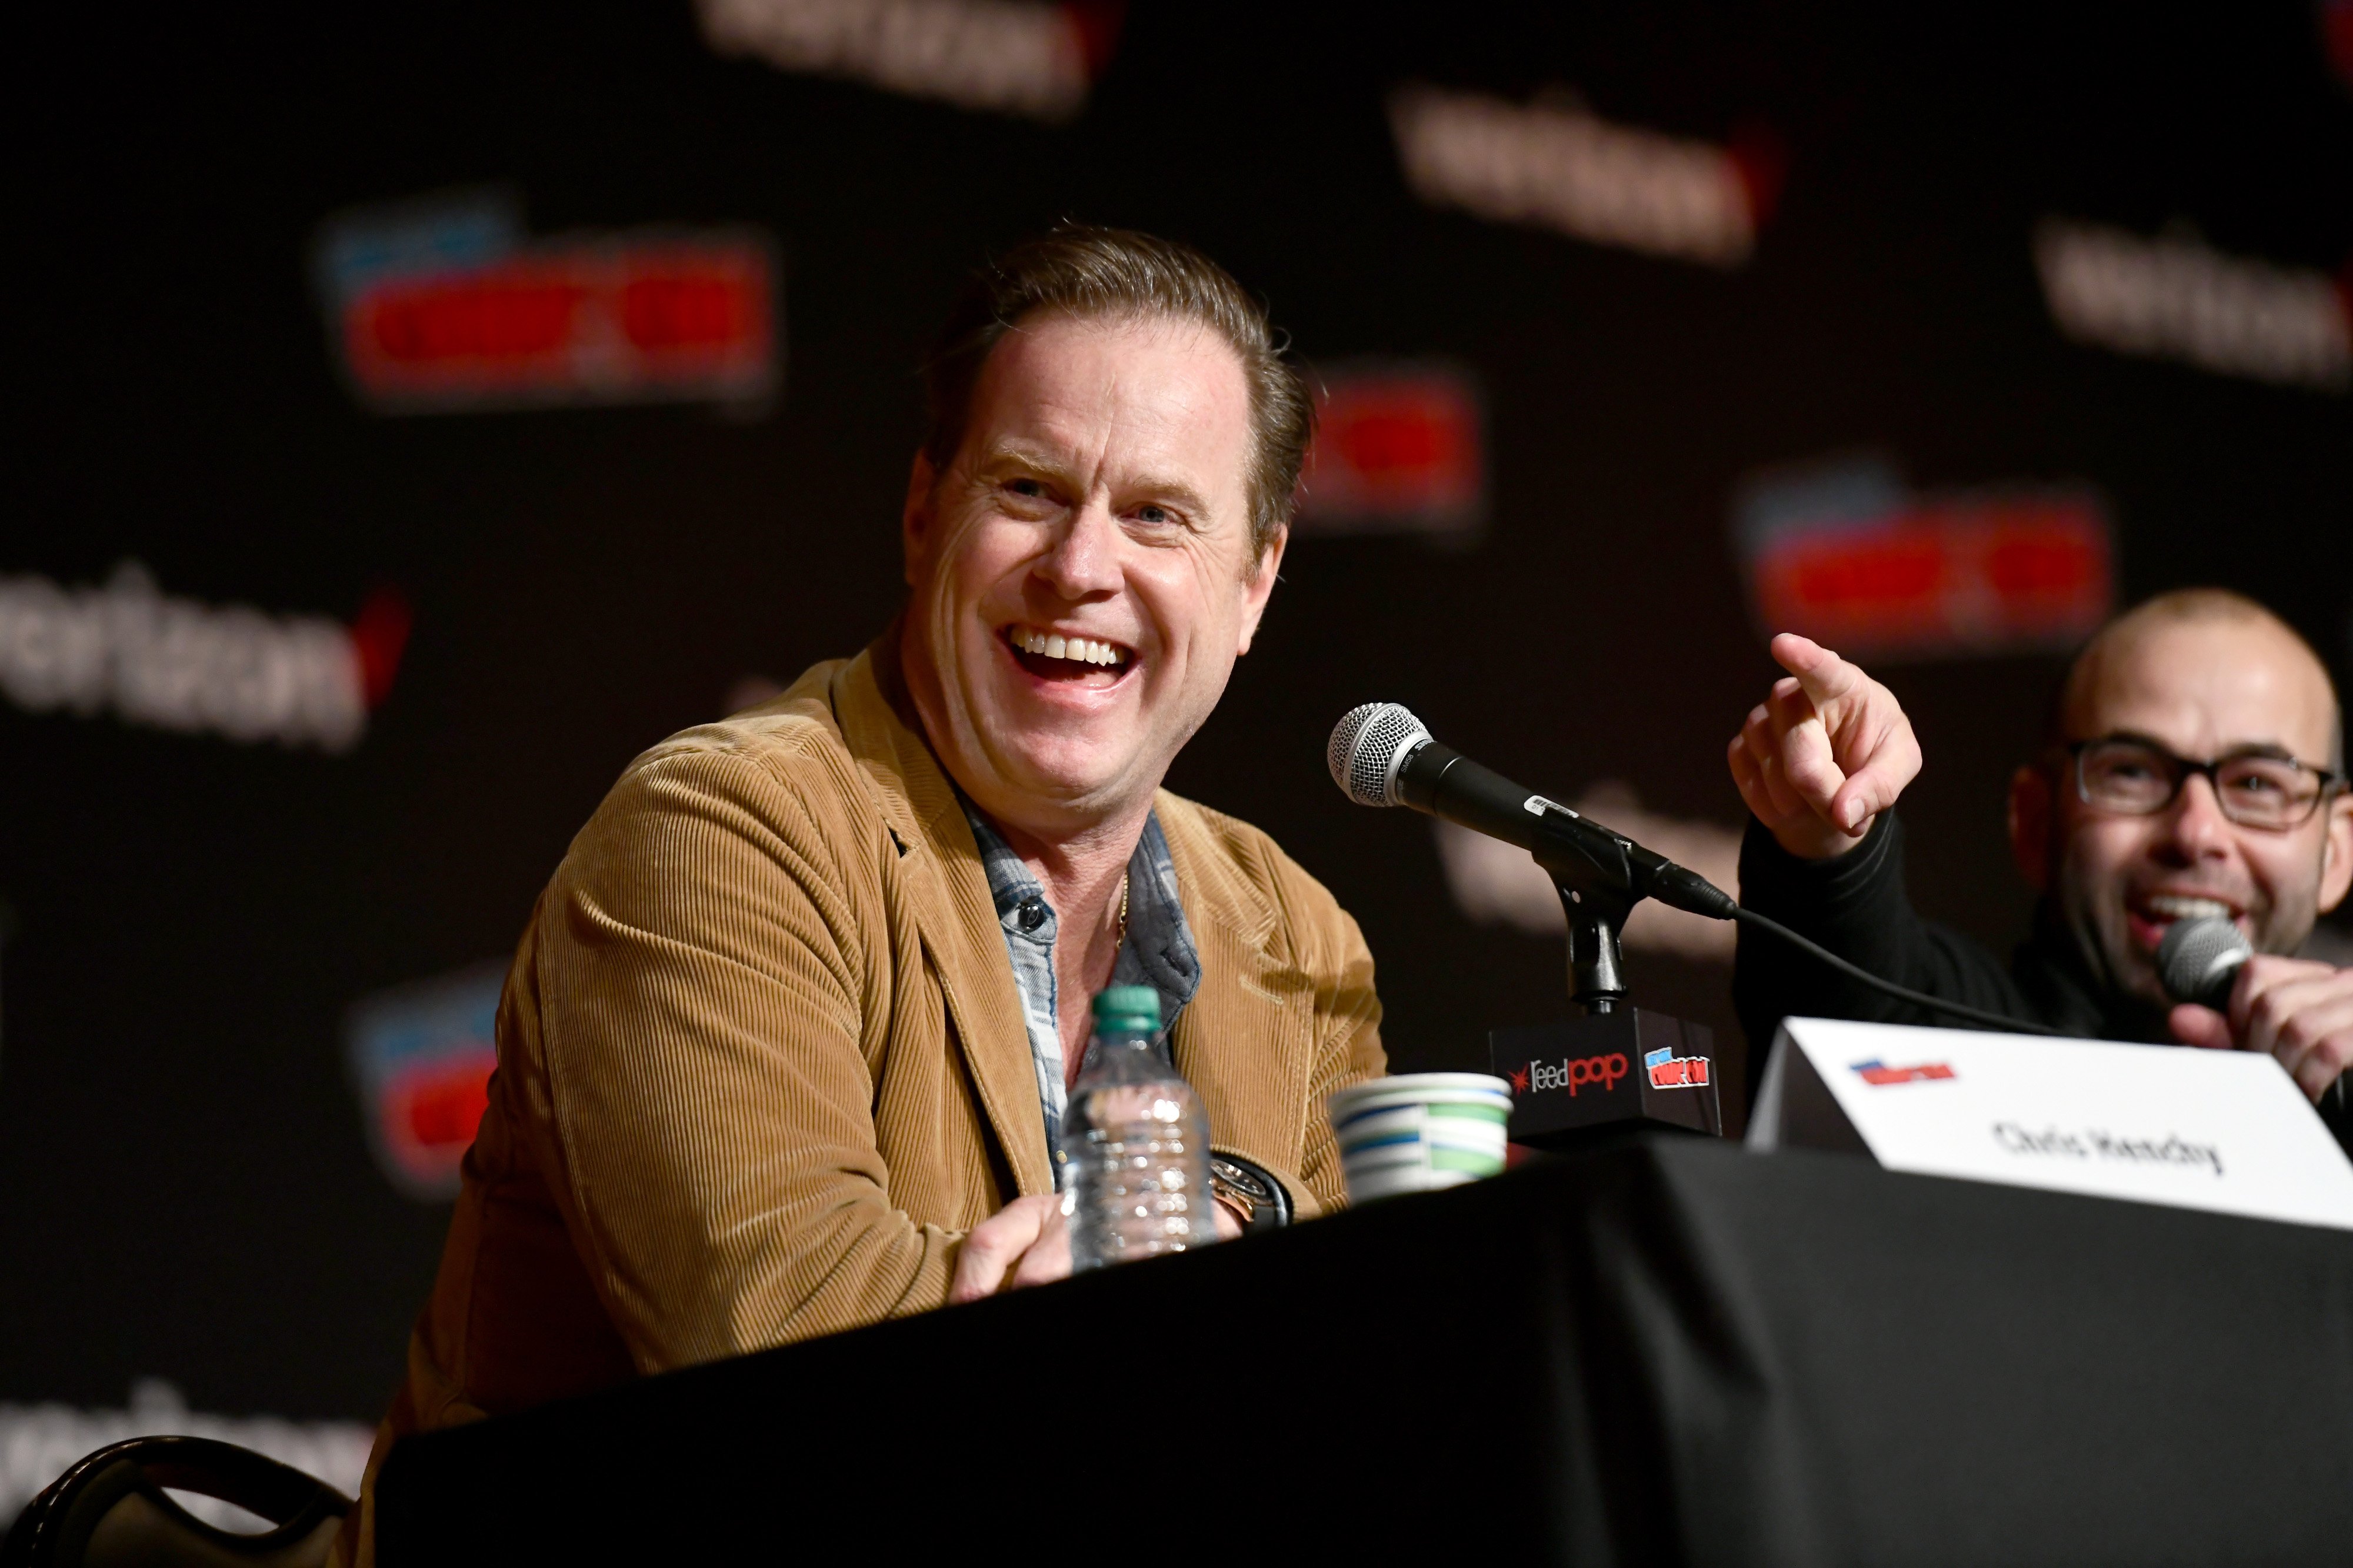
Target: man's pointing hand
1826,751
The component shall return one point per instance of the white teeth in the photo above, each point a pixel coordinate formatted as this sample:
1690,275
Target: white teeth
1085,650
2187,909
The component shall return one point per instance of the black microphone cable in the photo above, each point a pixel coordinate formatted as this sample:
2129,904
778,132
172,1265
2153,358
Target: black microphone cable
1748,917
1380,754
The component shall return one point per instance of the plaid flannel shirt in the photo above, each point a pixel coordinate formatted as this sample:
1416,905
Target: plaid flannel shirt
1159,953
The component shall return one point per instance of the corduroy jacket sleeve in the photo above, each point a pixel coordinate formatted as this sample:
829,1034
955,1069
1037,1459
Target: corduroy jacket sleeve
701,1056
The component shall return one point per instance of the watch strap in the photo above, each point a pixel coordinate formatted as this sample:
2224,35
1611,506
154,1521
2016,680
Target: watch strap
1253,1192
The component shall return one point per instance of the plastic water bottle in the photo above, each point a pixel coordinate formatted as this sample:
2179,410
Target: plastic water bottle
1138,1143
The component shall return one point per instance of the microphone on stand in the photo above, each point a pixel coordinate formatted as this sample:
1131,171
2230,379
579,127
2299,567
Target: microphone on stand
1618,1066
1380,754
2198,961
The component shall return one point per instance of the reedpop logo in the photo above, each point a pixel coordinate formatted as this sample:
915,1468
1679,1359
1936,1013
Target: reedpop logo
1572,1074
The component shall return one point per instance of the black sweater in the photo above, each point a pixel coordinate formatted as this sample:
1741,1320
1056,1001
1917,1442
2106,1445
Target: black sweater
1856,906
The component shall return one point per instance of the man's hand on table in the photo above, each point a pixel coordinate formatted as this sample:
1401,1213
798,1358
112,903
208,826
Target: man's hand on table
1826,751
1024,1243
1027,1242
2298,1010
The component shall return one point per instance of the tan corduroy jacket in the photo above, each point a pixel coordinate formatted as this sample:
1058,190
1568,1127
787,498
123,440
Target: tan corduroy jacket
762,1062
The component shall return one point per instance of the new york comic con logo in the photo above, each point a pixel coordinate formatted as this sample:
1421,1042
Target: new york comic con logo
1668,1071
1879,1075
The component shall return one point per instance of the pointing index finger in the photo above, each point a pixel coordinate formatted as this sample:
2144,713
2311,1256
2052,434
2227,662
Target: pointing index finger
1824,675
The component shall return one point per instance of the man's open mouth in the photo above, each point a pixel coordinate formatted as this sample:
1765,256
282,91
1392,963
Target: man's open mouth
1061,655
2153,914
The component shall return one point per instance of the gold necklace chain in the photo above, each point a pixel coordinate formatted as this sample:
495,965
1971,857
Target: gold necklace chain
1123,911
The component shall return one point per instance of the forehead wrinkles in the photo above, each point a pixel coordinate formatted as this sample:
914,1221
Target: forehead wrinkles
1099,397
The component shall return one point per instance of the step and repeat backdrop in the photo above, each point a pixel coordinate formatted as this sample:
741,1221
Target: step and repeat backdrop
415,414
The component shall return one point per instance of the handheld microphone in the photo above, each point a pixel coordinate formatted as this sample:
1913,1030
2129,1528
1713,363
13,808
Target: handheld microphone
1380,754
2198,961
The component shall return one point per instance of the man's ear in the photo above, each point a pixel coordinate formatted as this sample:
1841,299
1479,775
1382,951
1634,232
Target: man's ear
1260,587
916,517
2337,852
2031,825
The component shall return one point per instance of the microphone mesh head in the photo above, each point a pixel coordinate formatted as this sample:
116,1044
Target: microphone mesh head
1367,746
2200,958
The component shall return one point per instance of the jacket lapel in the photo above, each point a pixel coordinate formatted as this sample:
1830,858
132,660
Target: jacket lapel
953,912
1256,1076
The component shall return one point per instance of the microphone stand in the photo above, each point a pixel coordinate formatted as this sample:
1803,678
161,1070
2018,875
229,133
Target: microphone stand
1593,897
1618,1066
1596,963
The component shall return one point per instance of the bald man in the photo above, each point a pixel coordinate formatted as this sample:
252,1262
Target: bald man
2196,767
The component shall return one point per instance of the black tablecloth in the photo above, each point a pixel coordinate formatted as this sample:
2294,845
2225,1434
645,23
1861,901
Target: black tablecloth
1669,1351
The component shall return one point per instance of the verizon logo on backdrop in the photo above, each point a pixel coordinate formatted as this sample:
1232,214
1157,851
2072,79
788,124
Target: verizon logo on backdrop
446,306
1561,166
1846,555
2173,297
1400,448
1008,56
178,663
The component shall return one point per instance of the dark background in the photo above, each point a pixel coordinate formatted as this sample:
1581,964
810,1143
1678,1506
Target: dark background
185,1185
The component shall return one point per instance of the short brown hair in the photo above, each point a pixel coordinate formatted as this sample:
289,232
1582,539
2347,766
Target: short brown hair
1077,269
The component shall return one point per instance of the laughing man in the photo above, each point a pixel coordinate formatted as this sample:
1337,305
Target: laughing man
2196,767
788,1035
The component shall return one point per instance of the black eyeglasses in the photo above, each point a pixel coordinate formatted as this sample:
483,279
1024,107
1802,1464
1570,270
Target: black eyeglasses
2134,777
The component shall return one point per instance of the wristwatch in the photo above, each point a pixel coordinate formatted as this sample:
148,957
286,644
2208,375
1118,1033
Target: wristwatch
1254,1195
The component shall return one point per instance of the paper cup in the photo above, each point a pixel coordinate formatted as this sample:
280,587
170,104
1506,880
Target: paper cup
1420,1132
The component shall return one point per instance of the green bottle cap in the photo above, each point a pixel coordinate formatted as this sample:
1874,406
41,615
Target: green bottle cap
1128,1008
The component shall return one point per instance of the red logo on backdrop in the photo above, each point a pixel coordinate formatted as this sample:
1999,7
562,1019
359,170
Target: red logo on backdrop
447,306
609,322
422,1057
1399,448
1848,557
1879,1075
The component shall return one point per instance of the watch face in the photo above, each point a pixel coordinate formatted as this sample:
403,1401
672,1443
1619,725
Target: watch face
1246,1183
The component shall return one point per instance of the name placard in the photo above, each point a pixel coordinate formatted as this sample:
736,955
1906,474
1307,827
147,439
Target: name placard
2198,1129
